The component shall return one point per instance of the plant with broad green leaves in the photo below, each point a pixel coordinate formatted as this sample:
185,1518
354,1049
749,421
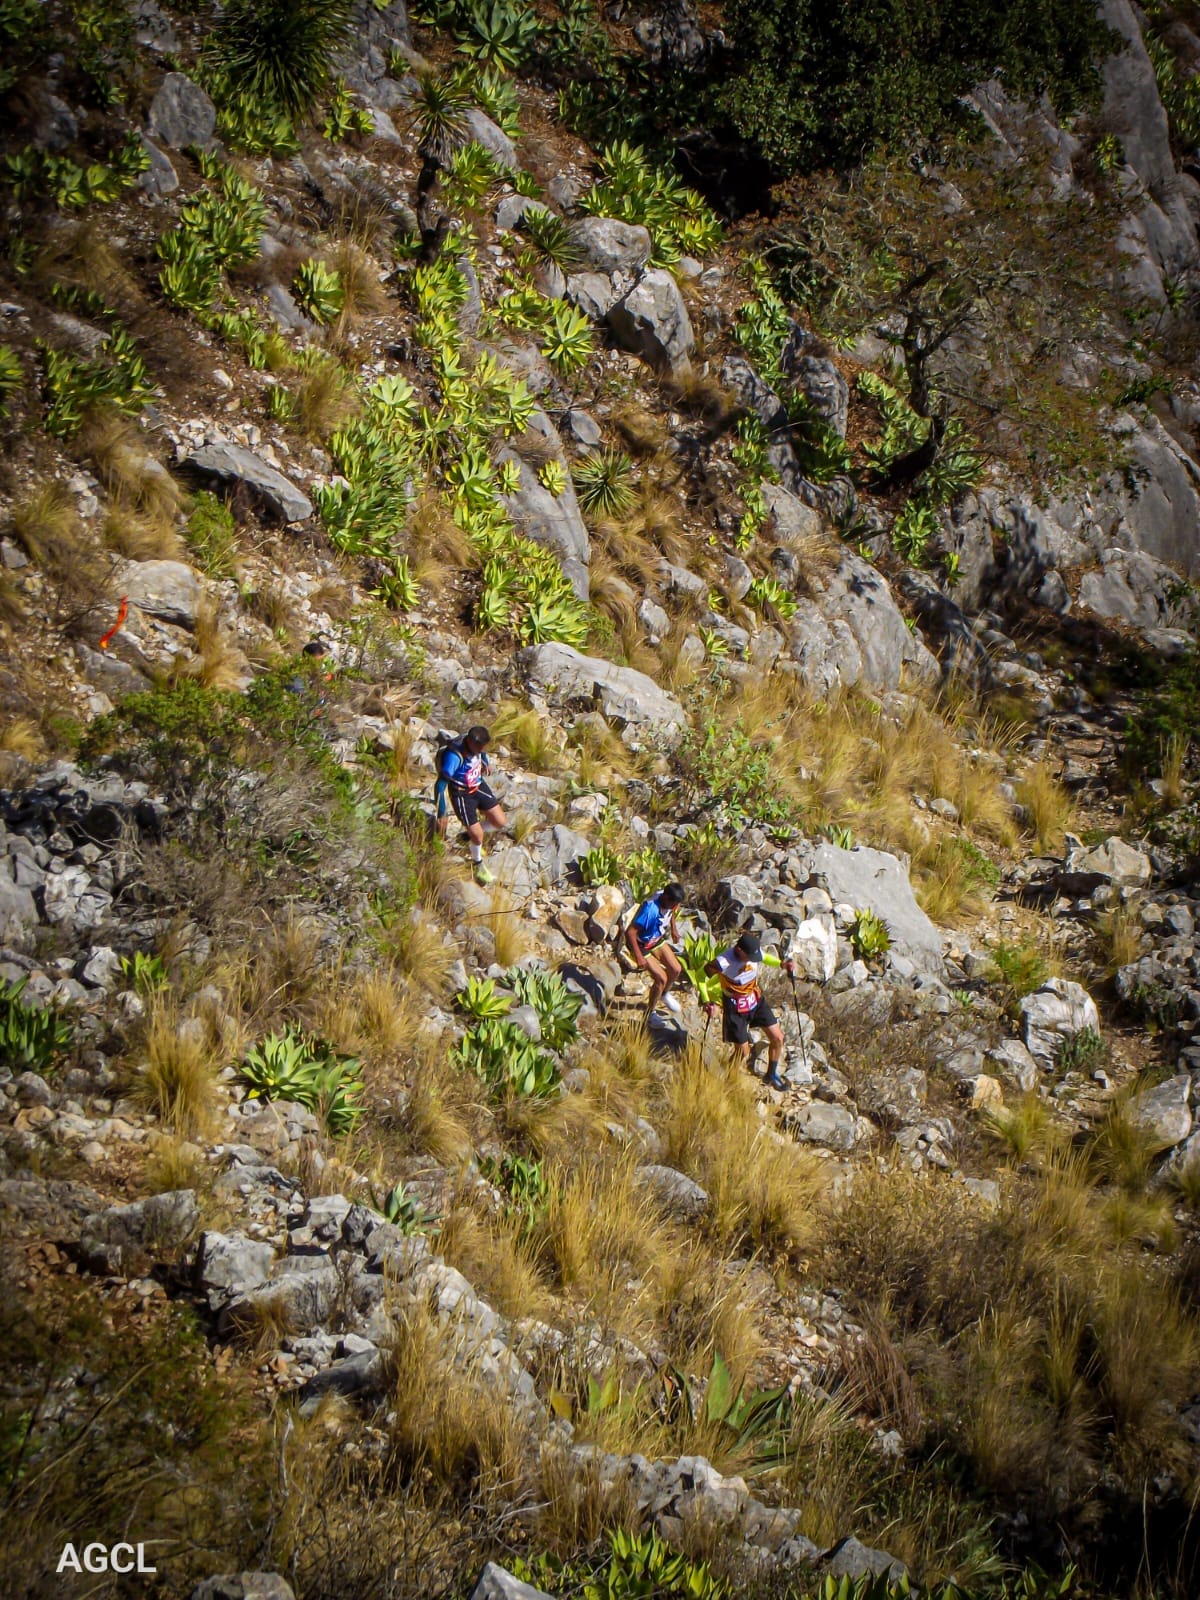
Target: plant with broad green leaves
567,342
497,31
508,476
632,189
869,935
645,871
11,378
726,771
770,594
343,117
33,171
548,621
903,429
557,1008
915,528
599,865
117,378
319,290
402,1210
524,1185
481,999
279,53
552,476
698,950
294,1065
493,91
507,1060
471,175
31,1037
762,324
145,973
254,127
955,469
397,588
604,483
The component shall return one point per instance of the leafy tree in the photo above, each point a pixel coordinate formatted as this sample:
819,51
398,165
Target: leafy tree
814,80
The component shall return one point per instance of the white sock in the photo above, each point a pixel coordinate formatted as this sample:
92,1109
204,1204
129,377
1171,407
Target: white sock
476,853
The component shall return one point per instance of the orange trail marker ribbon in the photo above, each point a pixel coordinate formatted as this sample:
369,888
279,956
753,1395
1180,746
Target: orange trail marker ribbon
122,613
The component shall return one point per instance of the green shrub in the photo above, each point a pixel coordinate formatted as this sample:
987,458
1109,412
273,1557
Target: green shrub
117,379
293,1065
507,1060
807,83
11,378
524,1185
599,865
481,999
869,935
31,1037
604,483
498,32
145,973
212,535
632,189
557,1008
319,291
279,52
343,117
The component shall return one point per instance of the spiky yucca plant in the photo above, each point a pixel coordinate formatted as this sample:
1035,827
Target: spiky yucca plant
604,483
280,51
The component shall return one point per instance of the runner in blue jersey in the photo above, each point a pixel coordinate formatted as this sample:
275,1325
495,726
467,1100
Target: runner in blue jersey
649,931
462,786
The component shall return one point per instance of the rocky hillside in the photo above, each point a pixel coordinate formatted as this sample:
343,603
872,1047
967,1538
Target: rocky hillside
823,537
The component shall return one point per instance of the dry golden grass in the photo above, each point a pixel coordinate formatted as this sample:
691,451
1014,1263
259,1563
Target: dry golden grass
261,1325
536,741
178,1080
655,520
82,256
1048,807
270,603
326,400
364,294
701,395
276,974
495,1259
608,591
947,882
132,477
443,1103
446,1418
142,538
1174,766
21,736
764,1190
642,432
438,546
1119,934
576,1508
421,952
45,522
173,1164
219,662
509,935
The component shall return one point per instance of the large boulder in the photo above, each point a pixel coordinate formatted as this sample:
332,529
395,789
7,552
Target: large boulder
873,880
157,1226
567,677
553,520
652,321
609,246
364,60
244,1586
181,113
168,590
807,362
1164,1112
1054,1015
231,1265
814,949
834,1127
232,463
497,1584
1113,862
858,595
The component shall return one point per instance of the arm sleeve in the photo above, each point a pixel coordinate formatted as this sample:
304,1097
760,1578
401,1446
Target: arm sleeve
770,959
451,766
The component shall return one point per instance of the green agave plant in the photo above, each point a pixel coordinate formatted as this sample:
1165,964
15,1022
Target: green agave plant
343,117
11,378
914,529
294,1066
31,1037
567,343
498,32
563,621
869,935
698,950
318,290
553,477
507,1060
769,592
557,1008
599,865
604,483
481,999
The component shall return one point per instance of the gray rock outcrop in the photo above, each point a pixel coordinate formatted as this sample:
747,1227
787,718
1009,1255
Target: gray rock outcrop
233,463
629,697
181,113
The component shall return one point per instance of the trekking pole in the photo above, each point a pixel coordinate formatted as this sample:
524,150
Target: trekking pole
800,1025
707,1026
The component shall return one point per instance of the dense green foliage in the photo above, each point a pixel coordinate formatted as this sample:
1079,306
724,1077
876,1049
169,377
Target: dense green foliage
814,81
280,51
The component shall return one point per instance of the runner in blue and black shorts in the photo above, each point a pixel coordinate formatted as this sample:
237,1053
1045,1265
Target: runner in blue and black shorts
462,787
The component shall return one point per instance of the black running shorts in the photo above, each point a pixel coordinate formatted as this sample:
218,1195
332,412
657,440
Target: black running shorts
738,1023
468,804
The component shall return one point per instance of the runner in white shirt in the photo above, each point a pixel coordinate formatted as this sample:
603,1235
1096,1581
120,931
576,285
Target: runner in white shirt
739,970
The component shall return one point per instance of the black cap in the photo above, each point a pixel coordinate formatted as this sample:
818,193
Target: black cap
749,946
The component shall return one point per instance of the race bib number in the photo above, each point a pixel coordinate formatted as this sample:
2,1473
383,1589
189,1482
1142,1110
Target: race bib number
743,1004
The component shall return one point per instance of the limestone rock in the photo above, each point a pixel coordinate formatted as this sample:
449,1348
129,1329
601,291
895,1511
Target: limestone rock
564,675
232,463
244,1586
831,1126
610,246
1113,862
1055,1014
181,113
168,590
873,880
1164,1112
676,1193
231,1265
497,1584
814,949
652,321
